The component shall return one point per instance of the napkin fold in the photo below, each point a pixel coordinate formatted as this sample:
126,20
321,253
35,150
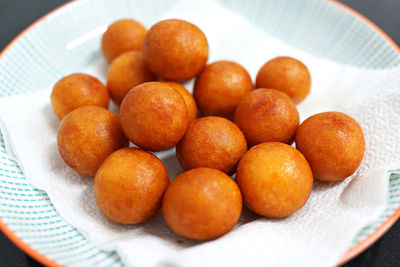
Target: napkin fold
316,235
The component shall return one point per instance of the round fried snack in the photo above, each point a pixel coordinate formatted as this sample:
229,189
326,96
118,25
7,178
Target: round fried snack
220,87
285,74
77,90
154,116
125,72
175,49
122,36
211,142
202,204
333,144
267,115
189,100
87,135
275,179
129,185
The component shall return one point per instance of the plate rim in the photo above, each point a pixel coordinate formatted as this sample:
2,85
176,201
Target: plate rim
347,256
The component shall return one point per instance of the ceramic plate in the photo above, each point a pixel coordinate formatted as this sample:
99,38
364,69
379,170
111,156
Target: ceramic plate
67,40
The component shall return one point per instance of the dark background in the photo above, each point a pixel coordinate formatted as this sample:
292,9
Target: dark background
16,15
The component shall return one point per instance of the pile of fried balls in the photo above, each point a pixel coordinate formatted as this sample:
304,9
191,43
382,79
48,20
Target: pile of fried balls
245,129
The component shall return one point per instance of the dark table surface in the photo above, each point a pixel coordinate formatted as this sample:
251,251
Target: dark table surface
16,15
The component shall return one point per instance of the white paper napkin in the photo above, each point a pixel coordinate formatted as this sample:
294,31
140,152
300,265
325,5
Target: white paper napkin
317,235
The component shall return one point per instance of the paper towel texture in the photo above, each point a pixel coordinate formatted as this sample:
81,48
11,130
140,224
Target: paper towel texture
317,235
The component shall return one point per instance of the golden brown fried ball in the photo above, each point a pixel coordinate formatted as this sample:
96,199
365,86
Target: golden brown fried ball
275,179
175,49
285,74
220,87
129,185
189,100
125,72
77,90
333,144
202,204
211,142
87,135
122,36
267,115
154,116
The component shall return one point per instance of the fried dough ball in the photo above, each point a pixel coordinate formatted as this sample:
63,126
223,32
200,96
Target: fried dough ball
202,204
87,135
122,36
189,100
285,74
333,144
77,90
154,116
125,72
275,179
129,185
220,87
267,115
211,142
175,49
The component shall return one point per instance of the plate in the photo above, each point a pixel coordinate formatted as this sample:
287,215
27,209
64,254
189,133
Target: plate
67,39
